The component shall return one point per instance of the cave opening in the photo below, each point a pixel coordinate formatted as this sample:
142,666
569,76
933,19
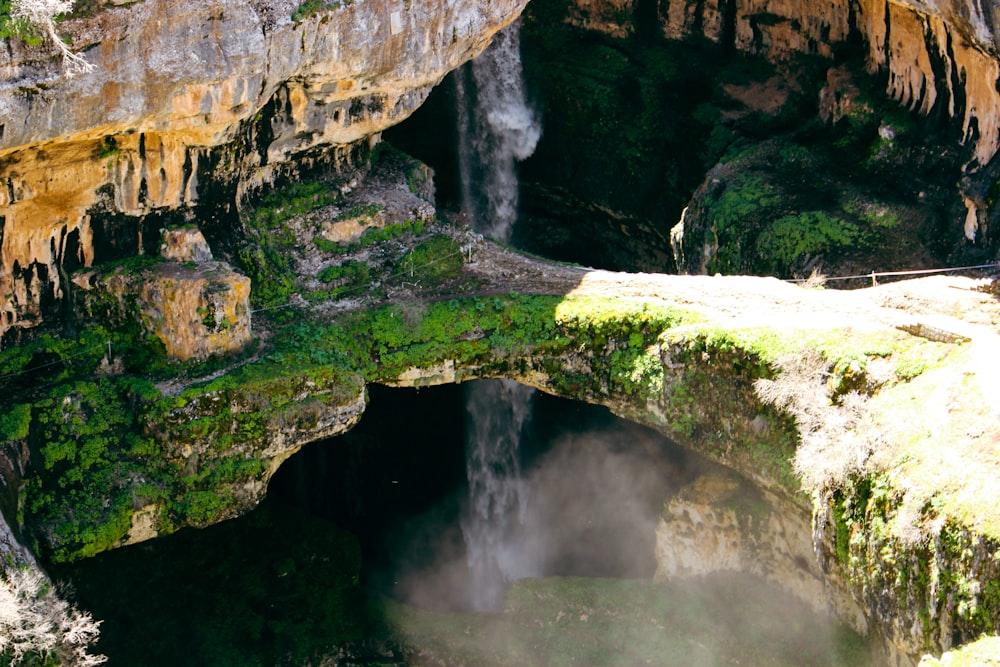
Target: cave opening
357,552
595,485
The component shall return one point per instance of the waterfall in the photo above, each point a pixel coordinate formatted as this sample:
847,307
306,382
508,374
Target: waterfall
496,128
497,494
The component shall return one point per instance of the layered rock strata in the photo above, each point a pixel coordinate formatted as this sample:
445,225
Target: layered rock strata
939,56
186,97
720,523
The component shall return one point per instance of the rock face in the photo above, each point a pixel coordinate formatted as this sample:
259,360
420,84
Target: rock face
195,306
939,56
719,523
936,58
184,97
195,311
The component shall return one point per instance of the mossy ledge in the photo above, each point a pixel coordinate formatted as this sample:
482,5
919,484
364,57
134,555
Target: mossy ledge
110,460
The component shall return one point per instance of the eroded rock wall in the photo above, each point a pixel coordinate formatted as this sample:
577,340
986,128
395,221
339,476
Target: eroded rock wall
938,55
721,523
181,92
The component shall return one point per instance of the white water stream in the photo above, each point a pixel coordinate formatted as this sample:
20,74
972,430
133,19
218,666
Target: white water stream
496,128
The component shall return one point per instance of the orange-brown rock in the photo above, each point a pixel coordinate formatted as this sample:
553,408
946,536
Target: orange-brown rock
937,52
185,245
196,311
174,82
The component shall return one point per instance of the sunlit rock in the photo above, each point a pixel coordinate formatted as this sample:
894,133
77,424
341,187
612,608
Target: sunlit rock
181,92
185,245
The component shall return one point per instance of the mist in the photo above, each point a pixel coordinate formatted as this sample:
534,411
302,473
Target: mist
283,579
591,501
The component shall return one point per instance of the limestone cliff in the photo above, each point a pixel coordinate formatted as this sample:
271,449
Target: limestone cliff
939,55
194,101
106,461
936,58
720,523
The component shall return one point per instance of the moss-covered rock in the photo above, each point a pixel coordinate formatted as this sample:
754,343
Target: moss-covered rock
828,196
112,458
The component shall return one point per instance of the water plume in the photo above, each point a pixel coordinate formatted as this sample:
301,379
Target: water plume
498,497
496,128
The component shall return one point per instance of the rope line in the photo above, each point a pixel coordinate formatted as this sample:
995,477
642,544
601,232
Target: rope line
61,360
913,272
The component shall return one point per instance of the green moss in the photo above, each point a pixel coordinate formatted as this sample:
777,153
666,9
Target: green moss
82,498
373,236
360,211
985,651
745,198
266,257
289,202
108,149
15,423
433,261
293,599
811,232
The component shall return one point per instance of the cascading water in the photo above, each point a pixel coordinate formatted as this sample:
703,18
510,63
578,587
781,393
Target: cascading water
493,523
496,128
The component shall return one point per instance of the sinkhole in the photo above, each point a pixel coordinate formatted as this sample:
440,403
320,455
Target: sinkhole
592,489
357,557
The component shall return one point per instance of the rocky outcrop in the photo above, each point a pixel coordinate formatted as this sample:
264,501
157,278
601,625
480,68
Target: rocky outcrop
789,210
196,307
196,311
938,59
939,56
907,568
678,353
720,523
187,97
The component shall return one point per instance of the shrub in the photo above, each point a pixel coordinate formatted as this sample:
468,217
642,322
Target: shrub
42,14
37,626
837,438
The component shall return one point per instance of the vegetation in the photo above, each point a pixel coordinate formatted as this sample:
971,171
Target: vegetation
278,587
433,261
372,236
38,627
31,20
310,8
267,254
17,27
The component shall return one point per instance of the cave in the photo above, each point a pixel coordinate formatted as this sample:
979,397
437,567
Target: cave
594,485
700,155
357,527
